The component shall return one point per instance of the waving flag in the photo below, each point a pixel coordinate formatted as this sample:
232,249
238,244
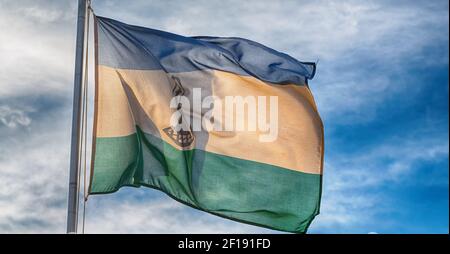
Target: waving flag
258,161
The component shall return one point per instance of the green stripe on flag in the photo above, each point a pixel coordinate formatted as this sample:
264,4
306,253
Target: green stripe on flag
243,190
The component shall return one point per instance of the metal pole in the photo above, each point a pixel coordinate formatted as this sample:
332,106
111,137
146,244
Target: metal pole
72,210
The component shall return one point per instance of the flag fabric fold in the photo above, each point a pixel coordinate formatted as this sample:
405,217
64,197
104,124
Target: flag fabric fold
230,173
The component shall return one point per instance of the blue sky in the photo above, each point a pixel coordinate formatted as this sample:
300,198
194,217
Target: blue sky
381,88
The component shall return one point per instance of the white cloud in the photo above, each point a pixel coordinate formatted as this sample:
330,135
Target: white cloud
13,117
37,47
389,161
33,170
158,215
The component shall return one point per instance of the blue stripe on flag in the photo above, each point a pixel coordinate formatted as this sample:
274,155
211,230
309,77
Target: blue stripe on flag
131,47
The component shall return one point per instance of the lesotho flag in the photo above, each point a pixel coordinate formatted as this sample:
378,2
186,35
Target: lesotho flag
225,125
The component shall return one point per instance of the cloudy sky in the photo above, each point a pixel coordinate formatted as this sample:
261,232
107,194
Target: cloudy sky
381,88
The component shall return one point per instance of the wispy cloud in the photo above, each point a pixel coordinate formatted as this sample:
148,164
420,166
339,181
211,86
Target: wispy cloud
155,215
354,189
13,117
391,161
33,170
37,47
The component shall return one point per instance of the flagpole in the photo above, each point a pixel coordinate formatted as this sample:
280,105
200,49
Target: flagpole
73,200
